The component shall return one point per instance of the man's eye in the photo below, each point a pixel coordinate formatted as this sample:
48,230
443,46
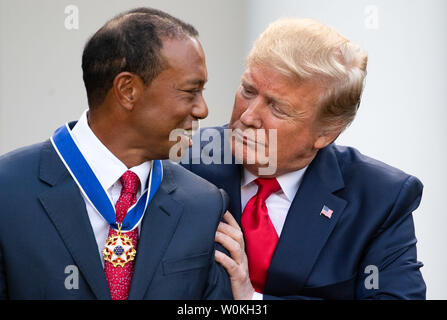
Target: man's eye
277,110
247,92
195,91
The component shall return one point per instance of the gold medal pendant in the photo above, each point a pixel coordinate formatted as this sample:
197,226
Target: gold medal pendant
119,249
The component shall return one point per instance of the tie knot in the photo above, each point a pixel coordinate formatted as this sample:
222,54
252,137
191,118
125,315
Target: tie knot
130,182
267,186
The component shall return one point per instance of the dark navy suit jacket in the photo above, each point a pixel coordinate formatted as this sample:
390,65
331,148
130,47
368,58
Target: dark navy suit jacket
371,225
44,227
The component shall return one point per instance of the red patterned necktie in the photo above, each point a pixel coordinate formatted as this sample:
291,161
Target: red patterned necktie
259,233
119,278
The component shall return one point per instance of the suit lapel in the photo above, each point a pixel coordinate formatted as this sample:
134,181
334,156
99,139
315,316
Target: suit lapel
227,177
158,226
66,208
305,231
233,185
233,188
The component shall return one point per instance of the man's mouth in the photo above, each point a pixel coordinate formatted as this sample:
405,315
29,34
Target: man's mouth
188,133
248,137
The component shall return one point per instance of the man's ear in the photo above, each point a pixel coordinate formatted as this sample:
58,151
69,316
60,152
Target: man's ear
127,88
326,138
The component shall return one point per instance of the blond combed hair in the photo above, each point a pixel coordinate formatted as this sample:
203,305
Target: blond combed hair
307,50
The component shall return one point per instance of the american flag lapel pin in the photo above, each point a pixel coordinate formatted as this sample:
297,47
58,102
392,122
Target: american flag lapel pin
326,212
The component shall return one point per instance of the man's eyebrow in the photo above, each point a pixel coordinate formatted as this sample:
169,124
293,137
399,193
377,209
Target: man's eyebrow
244,80
278,100
270,97
195,82
247,83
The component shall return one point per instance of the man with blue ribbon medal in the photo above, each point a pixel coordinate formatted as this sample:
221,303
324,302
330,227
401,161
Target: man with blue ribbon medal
76,194
118,249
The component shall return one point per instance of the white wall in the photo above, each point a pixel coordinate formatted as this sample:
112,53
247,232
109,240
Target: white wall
402,117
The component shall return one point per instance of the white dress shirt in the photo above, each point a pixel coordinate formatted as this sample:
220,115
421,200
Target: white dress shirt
278,203
108,169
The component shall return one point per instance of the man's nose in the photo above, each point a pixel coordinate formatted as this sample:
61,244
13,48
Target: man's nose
251,117
200,109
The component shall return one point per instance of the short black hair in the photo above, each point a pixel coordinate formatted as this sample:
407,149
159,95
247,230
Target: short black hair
132,42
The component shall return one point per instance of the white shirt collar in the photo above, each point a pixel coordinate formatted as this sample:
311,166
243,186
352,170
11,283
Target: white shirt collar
106,166
289,182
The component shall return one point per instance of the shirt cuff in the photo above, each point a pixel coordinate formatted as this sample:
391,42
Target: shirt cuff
257,296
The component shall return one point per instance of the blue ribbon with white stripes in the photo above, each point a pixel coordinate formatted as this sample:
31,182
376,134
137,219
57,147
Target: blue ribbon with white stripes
89,184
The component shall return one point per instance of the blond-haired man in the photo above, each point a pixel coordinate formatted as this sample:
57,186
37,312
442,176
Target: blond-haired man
328,222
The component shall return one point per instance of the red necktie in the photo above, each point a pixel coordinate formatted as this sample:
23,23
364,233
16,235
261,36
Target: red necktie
119,278
259,233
